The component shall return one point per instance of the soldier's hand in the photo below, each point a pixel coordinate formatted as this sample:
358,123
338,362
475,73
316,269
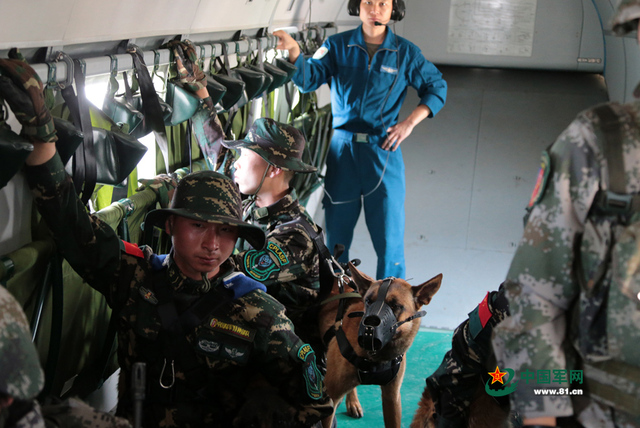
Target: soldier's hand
23,90
163,186
187,69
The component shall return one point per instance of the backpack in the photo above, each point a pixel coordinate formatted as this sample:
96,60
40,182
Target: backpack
606,324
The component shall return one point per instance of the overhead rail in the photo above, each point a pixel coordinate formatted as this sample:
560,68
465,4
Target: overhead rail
58,71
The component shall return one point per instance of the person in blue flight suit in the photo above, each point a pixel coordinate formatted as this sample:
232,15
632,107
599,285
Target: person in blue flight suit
369,69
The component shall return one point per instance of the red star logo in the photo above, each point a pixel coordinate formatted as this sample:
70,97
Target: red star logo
497,376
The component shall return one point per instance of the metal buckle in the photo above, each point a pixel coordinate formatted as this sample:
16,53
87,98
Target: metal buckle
361,138
617,203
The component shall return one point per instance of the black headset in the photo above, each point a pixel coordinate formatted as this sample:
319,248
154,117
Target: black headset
396,15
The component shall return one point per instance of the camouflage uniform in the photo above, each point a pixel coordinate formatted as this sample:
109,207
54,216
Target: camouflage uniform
21,377
465,366
242,337
547,328
289,265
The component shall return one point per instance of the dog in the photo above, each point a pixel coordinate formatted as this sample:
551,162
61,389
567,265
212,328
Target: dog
362,333
458,385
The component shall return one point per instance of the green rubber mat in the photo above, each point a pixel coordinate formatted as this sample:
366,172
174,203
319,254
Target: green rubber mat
424,356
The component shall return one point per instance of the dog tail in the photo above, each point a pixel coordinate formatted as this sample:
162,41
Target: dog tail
424,415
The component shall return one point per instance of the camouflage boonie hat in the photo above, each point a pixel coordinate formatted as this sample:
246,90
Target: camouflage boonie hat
211,197
20,373
626,17
279,144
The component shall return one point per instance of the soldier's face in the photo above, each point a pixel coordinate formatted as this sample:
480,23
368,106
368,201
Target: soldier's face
250,169
200,247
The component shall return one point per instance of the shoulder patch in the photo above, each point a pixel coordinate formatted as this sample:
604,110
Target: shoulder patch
131,249
541,181
259,265
321,52
312,376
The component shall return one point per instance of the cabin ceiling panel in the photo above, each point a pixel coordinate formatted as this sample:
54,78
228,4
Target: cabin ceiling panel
29,23
222,15
125,19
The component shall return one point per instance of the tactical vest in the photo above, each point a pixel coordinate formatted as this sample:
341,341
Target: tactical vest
606,323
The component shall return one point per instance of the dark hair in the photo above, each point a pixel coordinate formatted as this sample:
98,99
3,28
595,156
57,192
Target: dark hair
396,15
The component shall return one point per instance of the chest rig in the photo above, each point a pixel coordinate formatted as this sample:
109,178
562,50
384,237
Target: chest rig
377,328
171,351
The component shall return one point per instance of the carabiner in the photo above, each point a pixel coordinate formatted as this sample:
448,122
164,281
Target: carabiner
173,375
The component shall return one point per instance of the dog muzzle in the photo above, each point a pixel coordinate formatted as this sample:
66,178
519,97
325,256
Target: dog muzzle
379,324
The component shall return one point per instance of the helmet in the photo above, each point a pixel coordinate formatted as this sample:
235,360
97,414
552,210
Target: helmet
279,144
626,17
211,197
20,373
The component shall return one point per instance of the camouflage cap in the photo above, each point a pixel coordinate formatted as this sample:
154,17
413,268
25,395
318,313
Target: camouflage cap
211,197
279,144
20,373
626,17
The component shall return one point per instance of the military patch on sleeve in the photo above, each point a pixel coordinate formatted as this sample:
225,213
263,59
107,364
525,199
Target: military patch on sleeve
232,329
321,52
259,265
312,376
541,182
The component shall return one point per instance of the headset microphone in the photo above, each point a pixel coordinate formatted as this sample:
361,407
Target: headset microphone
378,24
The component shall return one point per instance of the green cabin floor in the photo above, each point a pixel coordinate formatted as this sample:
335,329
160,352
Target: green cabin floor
424,356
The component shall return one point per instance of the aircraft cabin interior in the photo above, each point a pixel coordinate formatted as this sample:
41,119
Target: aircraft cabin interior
518,72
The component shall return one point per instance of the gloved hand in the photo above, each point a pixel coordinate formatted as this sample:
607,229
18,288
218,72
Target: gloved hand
21,87
163,185
187,69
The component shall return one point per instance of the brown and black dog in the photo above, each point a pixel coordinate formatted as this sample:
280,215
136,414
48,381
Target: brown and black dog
342,375
459,384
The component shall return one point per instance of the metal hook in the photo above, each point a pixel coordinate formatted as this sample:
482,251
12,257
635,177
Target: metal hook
173,375
61,56
114,65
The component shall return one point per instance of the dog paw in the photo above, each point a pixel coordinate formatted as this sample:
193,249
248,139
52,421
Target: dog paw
354,410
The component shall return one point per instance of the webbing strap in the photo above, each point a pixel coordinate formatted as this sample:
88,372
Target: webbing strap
616,200
84,161
612,147
617,373
151,104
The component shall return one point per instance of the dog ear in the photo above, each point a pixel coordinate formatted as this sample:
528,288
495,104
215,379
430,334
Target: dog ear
423,293
363,282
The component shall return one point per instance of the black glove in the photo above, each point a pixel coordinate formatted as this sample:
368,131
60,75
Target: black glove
21,87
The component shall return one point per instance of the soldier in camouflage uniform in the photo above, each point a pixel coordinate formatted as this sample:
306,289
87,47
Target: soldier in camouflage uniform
289,265
22,379
559,322
219,353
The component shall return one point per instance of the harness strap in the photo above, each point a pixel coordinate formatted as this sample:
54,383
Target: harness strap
369,372
596,374
354,295
326,271
615,200
175,345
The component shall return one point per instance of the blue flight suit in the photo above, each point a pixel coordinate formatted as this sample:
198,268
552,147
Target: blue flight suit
366,99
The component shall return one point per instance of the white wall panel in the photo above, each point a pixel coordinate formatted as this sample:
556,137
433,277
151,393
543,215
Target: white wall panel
556,40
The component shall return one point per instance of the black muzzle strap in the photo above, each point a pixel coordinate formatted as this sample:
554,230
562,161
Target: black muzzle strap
418,314
378,325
